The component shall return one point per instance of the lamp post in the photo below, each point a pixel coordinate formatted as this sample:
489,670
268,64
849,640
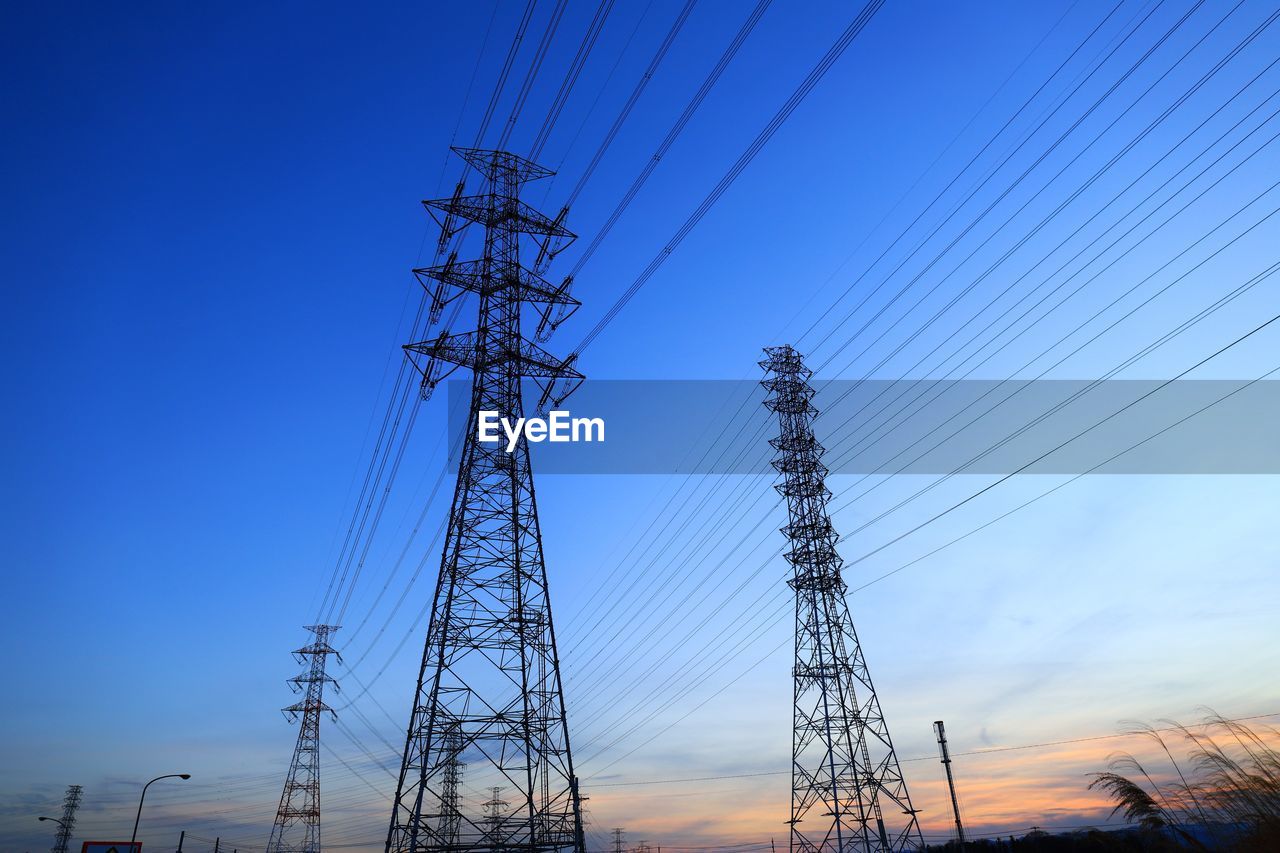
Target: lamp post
144,796
59,823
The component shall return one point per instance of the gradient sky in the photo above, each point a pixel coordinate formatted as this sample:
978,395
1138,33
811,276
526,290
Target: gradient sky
213,215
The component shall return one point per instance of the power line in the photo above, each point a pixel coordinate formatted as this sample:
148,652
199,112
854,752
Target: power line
797,97
630,103
607,582
972,752
673,134
725,657
535,65
571,77
507,64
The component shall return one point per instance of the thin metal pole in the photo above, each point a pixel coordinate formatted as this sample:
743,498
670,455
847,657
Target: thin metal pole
133,839
941,732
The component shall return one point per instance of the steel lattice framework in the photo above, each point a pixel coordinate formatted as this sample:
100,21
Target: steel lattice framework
62,841
489,687
848,792
297,825
450,805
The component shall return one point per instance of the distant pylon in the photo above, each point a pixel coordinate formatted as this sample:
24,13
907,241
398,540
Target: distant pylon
490,669
494,809
450,807
617,839
71,802
297,825
847,789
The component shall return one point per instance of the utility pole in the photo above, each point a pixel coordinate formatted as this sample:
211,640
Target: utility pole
182,837
941,732
297,824
847,788
490,668
70,802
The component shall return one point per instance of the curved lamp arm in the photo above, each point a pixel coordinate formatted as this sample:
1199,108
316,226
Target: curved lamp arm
137,818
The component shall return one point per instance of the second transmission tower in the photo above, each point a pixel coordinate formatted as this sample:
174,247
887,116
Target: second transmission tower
297,824
848,792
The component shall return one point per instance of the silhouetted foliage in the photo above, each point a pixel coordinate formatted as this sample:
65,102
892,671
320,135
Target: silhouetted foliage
1228,799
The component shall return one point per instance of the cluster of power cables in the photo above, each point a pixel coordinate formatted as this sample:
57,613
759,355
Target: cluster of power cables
988,267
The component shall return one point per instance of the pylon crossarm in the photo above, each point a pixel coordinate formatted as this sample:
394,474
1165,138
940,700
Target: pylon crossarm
509,213
502,164
476,277
468,349
431,279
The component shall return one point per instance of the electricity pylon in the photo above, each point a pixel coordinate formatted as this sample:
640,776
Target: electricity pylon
490,670
494,809
847,789
297,824
71,802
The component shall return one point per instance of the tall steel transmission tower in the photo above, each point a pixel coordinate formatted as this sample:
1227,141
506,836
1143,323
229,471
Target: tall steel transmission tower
71,802
490,669
847,789
297,826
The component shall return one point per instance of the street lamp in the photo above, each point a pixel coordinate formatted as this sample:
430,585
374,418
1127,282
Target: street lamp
144,796
62,826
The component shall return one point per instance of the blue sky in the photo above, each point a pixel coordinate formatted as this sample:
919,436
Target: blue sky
214,216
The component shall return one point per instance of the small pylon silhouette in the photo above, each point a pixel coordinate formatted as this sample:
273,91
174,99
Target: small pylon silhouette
297,825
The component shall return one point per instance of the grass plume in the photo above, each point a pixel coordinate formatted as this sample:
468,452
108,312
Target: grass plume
1225,795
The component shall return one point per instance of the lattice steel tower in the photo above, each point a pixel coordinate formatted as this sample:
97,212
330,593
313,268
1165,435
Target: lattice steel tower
297,826
490,669
450,804
71,802
847,789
